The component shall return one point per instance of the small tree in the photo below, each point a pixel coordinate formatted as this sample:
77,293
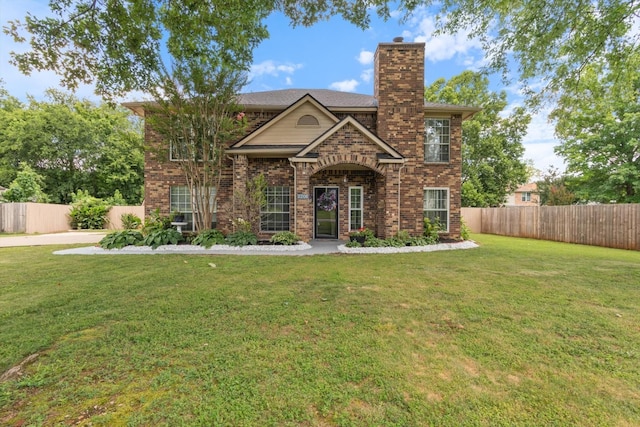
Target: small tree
197,119
27,187
251,200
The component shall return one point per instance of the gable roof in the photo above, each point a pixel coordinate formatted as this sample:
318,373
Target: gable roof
305,99
389,155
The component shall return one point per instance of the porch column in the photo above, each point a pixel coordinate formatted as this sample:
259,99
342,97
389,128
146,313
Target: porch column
303,203
240,177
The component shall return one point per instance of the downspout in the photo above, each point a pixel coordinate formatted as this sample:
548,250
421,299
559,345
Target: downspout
295,197
399,170
233,185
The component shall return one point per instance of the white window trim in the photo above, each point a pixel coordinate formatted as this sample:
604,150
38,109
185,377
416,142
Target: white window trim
213,203
424,144
448,204
280,212
361,208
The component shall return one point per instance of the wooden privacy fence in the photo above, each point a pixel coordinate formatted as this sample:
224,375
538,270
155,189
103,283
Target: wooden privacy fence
612,226
49,218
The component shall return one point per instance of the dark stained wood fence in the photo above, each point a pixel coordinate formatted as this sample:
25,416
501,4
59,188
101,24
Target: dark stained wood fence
613,226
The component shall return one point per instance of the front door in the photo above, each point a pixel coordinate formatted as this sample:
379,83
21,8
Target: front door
325,200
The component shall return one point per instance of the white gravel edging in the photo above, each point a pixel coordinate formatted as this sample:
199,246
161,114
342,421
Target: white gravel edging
183,249
467,244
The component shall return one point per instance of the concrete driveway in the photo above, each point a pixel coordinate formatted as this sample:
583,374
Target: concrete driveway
66,238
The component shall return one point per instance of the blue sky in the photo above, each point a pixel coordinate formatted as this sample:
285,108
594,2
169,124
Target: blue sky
330,55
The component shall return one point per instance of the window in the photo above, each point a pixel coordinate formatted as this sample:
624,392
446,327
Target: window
308,120
191,142
180,199
436,206
274,216
526,196
355,208
437,138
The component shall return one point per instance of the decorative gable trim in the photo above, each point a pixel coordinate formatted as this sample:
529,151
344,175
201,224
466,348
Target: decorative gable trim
389,154
261,130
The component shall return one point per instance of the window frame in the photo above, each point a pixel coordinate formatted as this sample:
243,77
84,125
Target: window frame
280,225
431,122
526,196
189,214
352,227
447,209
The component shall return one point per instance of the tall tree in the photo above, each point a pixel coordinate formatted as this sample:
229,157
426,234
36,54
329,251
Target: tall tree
27,187
598,124
492,164
73,144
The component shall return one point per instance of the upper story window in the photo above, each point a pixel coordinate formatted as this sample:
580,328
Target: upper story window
437,140
308,120
526,196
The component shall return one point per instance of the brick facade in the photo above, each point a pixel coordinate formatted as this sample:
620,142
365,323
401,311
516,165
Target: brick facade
393,190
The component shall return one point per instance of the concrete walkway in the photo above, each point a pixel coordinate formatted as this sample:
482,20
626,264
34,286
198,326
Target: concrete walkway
67,238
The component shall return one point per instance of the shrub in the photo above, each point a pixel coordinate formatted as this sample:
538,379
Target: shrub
432,229
130,221
403,236
285,238
464,230
168,236
88,212
156,222
353,244
120,239
422,241
242,238
209,238
374,242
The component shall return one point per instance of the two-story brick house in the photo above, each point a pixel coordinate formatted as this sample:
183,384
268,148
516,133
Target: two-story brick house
337,161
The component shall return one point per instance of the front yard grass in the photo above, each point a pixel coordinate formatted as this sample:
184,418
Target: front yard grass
516,332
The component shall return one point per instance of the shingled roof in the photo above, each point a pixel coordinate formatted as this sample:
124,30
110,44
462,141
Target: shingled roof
286,97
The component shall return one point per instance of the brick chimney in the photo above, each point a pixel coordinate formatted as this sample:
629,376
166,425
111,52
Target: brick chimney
399,89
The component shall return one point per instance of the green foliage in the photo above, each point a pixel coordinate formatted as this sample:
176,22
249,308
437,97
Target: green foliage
374,242
209,238
168,236
73,144
432,230
130,221
285,238
116,199
249,203
554,188
465,232
88,212
421,241
242,238
598,122
120,239
155,222
403,236
27,187
492,150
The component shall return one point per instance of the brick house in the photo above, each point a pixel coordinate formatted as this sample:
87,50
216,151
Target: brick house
525,195
337,161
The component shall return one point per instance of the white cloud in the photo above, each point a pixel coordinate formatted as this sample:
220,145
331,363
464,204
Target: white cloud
272,68
444,47
367,75
365,57
345,85
540,141
288,81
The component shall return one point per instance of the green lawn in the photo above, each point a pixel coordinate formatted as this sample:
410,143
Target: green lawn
516,332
